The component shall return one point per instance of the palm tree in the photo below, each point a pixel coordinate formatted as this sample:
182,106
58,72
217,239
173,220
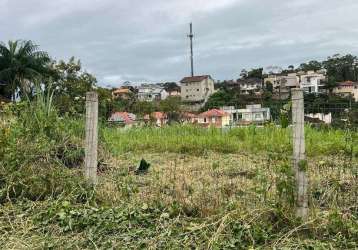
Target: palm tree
21,63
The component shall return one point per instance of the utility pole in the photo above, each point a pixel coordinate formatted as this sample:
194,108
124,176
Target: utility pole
191,35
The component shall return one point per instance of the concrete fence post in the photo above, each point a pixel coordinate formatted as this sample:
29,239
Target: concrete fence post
299,157
91,137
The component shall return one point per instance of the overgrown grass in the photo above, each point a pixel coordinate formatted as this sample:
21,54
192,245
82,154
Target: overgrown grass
195,140
205,189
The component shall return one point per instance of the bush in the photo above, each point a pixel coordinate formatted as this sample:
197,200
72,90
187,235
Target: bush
36,147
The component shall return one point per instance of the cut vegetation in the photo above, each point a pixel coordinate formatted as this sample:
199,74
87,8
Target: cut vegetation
204,189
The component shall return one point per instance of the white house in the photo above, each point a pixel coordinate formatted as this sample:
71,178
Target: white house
151,92
252,114
312,82
250,85
326,118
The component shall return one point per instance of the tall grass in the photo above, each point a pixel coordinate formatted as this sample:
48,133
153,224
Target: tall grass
229,190
195,140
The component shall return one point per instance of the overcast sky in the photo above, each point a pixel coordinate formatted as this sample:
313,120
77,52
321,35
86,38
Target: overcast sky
142,40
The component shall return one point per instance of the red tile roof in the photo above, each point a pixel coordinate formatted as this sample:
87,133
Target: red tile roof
189,79
159,115
120,91
156,115
127,118
188,115
214,113
347,84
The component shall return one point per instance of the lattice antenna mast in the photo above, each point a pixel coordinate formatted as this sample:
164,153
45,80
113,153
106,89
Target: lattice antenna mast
191,35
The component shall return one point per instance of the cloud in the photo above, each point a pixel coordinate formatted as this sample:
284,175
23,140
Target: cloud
146,40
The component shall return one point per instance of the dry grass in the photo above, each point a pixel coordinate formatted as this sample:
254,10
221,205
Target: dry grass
204,190
203,200
205,185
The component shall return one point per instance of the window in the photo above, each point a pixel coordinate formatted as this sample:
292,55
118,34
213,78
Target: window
197,89
205,120
258,116
187,97
213,119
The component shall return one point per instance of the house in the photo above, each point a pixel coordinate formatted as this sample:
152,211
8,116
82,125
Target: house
250,85
174,93
274,79
196,88
187,117
291,80
172,88
282,84
122,93
253,114
158,118
312,82
151,92
347,89
123,118
319,118
214,118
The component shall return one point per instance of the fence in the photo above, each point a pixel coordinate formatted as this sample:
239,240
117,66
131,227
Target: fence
207,169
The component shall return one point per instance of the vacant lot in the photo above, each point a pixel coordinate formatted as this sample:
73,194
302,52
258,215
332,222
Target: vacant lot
204,189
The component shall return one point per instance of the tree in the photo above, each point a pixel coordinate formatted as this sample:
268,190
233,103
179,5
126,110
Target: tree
342,68
220,98
171,86
143,108
21,63
243,73
311,65
171,106
5,92
330,83
71,85
255,73
105,106
269,87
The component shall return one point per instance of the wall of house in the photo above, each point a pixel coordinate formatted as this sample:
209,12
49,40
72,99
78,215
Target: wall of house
225,121
197,91
274,80
150,94
291,80
217,121
311,82
192,91
345,90
164,94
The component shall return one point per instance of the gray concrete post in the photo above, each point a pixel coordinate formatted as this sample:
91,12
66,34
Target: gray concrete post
91,137
299,157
